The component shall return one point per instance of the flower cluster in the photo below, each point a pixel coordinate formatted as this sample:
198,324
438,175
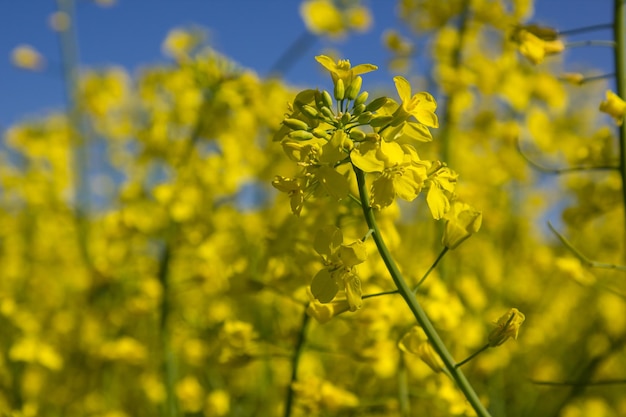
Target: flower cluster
323,136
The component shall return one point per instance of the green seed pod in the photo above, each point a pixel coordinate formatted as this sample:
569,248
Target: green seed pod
310,111
356,111
327,99
361,99
354,88
356,134
376,104
296,124
340,90
364,118
300,135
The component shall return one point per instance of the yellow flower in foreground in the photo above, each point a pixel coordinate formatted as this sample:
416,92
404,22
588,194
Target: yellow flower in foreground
507,326
27,57
342,70
421,105
614,106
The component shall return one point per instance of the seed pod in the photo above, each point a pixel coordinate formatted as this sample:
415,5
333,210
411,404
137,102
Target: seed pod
295,124
340,90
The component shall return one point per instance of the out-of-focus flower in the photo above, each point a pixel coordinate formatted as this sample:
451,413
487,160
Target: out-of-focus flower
324,17
507,326
59,21
614,106
575,78
180,43
27,57
416,342
535,45
462,221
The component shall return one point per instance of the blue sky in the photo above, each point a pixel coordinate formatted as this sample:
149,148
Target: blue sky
252,32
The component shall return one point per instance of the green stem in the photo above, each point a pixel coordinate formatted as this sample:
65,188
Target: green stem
441,254
295,361
168,364
414,306
78,131
473,355
598,42
619,36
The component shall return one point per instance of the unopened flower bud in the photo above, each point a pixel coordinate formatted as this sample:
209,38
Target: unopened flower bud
507,326
327,112
300,135
320,133
327,99
340,90
356,111
345,118
354,88
361,99
310,111
364,118
376,104
380,121
296,124
357,134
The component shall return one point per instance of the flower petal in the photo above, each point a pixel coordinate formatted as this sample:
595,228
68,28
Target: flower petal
403,87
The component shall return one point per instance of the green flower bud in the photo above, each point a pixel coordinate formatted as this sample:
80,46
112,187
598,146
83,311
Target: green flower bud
340,90
321,133
380,121
357,135
300,135
310,111
327,112
376,104
364,118
345,118
356,111
326,99
361,99
372,137
295,124
354,88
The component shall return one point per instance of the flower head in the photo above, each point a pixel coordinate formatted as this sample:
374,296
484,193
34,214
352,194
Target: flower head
462,221
534,45
507,326
615,106
342,70
421,105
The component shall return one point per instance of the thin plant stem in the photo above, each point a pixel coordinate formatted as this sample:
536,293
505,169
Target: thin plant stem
585,29
77,130
415,307
291,55
586,261
441,255
295,360
619,35
592,42
473,355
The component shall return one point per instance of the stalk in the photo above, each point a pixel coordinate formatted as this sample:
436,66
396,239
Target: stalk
410,299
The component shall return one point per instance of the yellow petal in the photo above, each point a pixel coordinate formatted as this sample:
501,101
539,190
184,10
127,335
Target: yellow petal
403,87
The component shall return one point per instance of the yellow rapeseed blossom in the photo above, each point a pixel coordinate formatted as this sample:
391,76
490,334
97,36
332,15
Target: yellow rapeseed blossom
190,394
217,403
27,57
415,342
507,326
180,43
324,17
534,47
462,221
614,106
59,21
